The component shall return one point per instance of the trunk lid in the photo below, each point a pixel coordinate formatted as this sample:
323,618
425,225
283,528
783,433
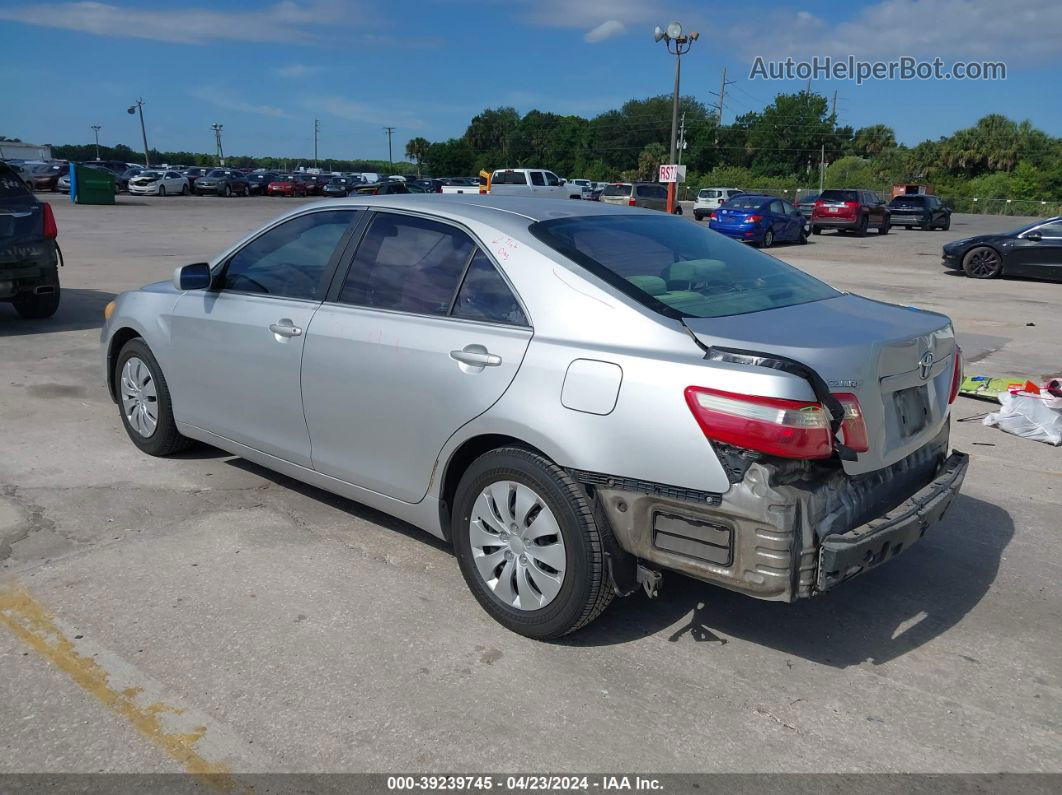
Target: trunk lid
897,360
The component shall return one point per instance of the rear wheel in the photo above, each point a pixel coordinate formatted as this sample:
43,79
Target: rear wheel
982,262
36,306
529,548
863,225
884,228
677,210
816,230
768,239
144,401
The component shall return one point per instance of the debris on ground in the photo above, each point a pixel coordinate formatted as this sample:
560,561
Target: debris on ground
1031,412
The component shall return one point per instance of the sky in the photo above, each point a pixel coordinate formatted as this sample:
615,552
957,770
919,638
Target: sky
266,70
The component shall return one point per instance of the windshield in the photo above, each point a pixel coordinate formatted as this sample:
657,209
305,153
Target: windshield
217,172
744,203
617,190
284,178
677,268
152,174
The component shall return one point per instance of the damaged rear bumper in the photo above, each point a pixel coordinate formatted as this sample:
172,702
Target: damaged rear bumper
785,531
845,555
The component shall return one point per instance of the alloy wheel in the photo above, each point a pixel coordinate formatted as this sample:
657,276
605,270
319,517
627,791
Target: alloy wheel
517,545
982,263
140,400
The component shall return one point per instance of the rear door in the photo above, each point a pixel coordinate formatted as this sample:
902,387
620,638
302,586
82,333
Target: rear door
1038,258
419,336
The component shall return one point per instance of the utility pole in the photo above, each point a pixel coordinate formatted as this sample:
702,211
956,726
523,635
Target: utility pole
808,88
217,138
722,96
96,129
833,109
822,166
390,159
316,134
139,105
682,139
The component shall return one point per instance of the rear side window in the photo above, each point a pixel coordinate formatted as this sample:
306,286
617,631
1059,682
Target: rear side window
289,260
617,190
537,178
840,196
677,268
484,295
407,264
509,178
776,208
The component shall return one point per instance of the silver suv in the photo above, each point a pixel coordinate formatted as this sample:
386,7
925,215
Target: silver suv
576,396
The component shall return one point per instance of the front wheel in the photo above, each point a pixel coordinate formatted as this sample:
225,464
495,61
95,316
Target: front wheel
144,401
226,191
982,262
816,230
947,224
803,239
884,228
677,210
528,546
863,226
162,190
184,190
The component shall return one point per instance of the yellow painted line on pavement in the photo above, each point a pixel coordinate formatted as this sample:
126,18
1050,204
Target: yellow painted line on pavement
37,628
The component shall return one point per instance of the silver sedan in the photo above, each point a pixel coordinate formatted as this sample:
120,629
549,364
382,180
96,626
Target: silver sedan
577,396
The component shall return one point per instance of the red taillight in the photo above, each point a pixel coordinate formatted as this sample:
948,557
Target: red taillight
956,376
753,219
851,205
439,189
853,426
631,203
820,203
51,231
714,217
785,428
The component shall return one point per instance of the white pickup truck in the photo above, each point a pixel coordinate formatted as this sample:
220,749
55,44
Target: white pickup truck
532,182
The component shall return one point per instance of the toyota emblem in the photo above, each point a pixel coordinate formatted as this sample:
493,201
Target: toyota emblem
925,364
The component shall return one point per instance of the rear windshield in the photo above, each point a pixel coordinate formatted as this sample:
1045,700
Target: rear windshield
744,203
708,193
677,268
509,178
11,187
839,196
617,190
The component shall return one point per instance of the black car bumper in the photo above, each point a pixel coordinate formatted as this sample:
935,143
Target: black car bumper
845,555
900,218
27,267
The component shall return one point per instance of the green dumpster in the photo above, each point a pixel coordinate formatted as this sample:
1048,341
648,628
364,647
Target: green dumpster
92,186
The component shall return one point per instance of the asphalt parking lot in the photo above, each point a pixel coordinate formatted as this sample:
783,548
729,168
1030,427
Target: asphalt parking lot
201,613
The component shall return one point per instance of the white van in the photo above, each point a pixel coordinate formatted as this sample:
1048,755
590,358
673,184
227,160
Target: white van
709,199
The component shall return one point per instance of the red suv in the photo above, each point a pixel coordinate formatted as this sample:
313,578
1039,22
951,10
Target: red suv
845,209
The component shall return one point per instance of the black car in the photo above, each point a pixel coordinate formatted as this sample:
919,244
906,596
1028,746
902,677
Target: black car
921,210
258,181
122,180
29,254
223,182
337,187
382,188
193,173
429,185
806,204
1031,250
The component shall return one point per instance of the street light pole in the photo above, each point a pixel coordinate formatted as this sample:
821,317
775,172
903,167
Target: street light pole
682,42
96,129
390,158
217,137
139,105
316,133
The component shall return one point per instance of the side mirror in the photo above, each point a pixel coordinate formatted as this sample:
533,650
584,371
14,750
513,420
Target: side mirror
192,277
1034,236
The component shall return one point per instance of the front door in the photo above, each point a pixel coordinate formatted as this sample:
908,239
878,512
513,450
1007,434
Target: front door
422,336
237,348
1038,258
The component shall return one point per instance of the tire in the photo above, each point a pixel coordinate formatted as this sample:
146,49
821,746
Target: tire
37,307
585,588
226,191
816,230
768,239
803,239
908,228
926,225
184,190
698,216
884,228
677,210
163,439
947,224
982,262
861,231
162,190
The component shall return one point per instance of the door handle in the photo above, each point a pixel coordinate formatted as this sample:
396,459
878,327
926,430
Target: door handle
476,356
285,328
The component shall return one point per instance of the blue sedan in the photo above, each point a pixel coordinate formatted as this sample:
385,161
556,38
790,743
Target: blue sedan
759,219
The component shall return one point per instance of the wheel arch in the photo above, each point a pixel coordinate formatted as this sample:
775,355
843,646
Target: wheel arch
117,342
458,463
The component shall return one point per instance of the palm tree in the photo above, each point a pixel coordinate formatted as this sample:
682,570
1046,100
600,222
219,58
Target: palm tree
416,149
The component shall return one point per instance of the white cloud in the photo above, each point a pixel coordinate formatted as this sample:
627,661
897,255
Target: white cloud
295,71
584,13
352,110
606,30
889,29
221,98
286,21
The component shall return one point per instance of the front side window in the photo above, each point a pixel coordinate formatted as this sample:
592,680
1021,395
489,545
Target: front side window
407,264
1053,229
552,179
289,260
677,268
484,295
537,178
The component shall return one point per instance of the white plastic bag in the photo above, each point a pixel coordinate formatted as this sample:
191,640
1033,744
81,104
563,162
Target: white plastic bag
1031,416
